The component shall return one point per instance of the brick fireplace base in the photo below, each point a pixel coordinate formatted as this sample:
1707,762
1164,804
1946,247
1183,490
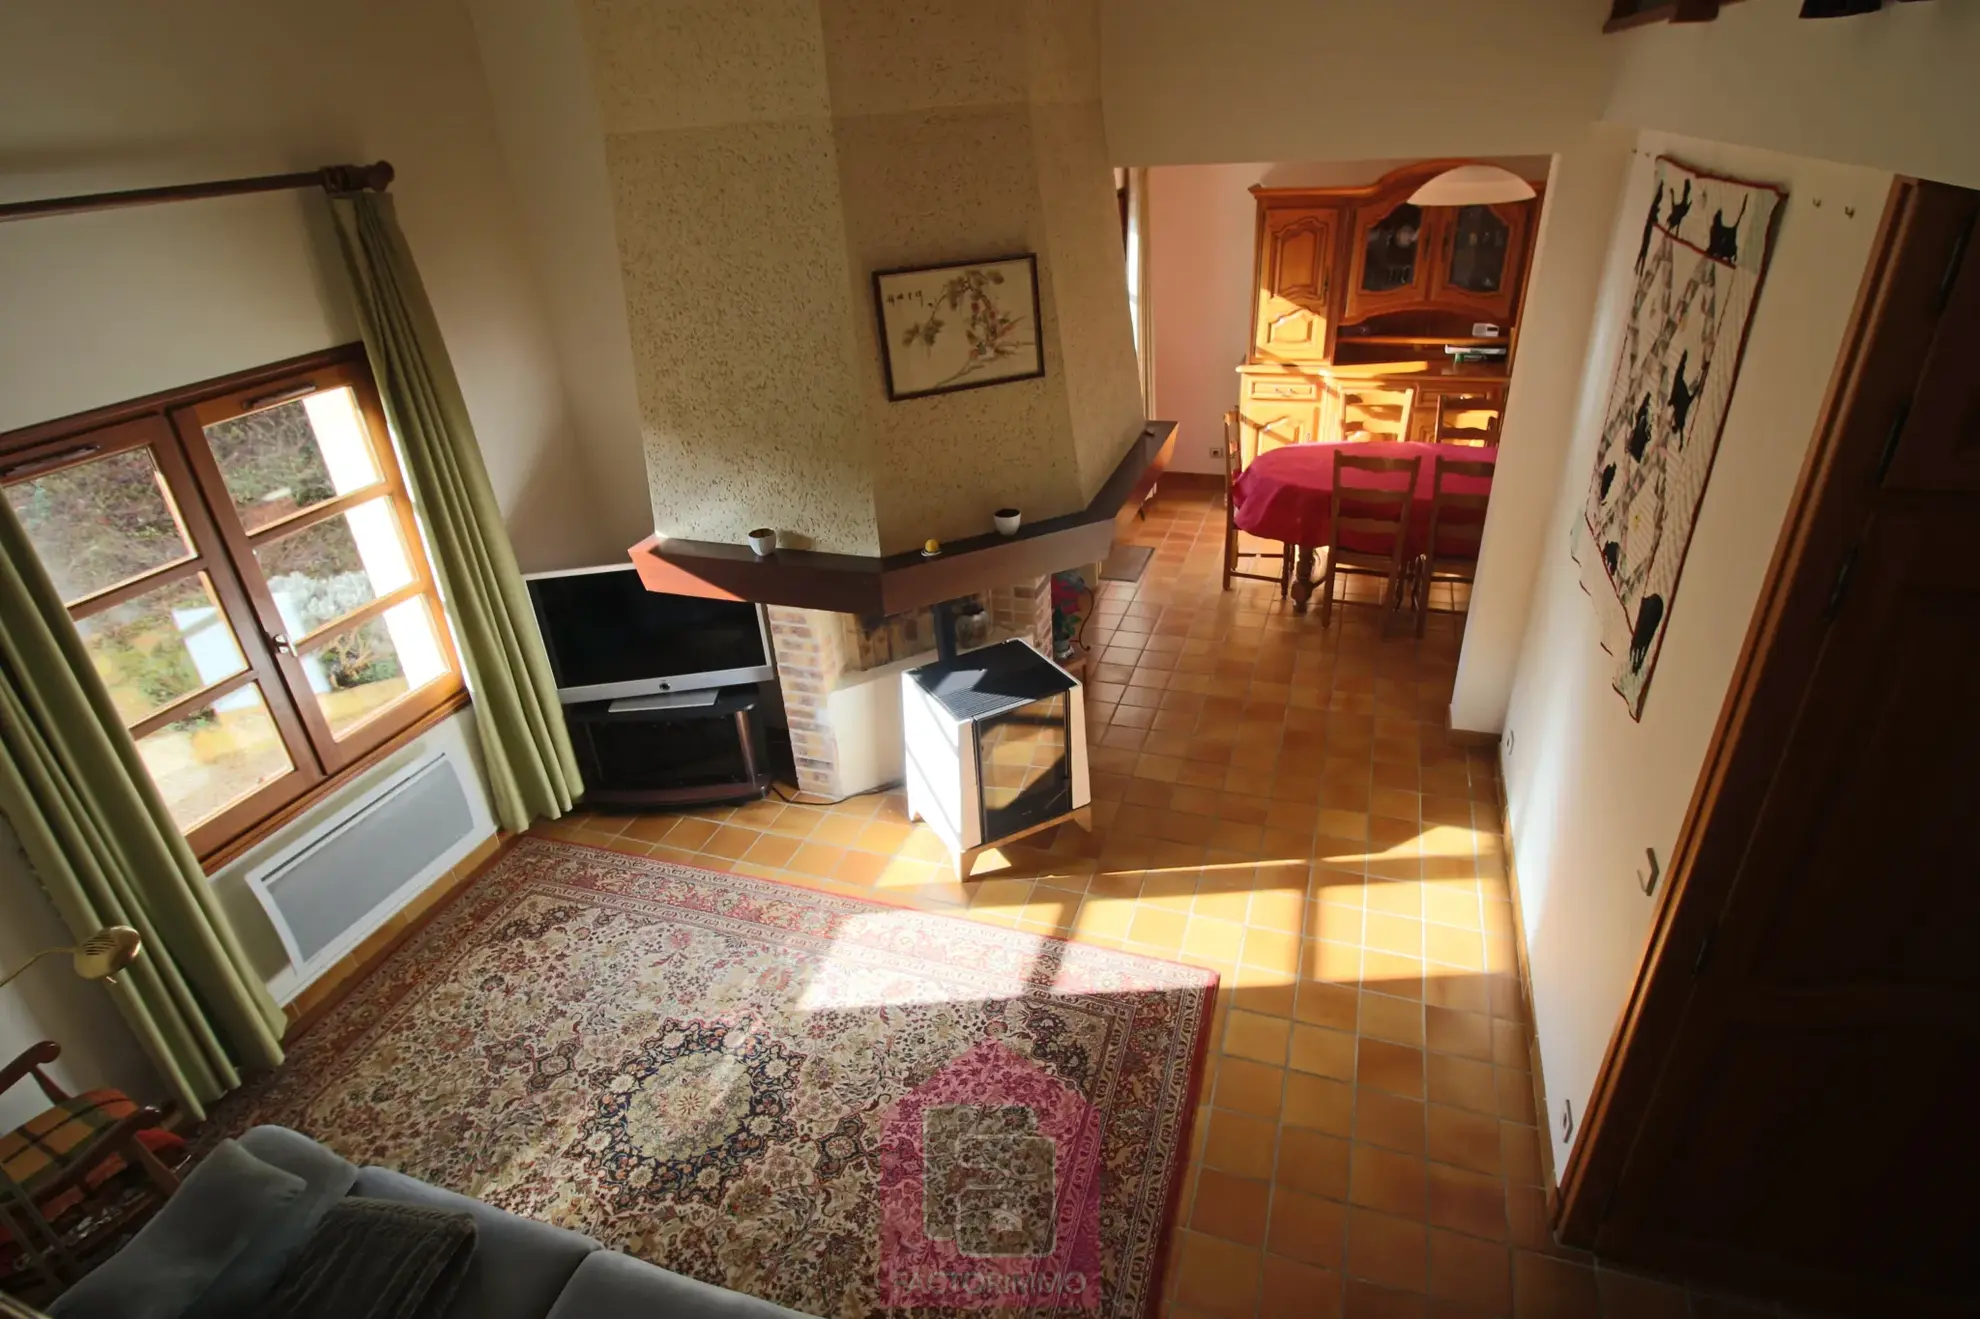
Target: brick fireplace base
817,651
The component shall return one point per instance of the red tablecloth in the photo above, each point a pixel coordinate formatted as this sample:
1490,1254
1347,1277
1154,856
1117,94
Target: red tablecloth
1285,494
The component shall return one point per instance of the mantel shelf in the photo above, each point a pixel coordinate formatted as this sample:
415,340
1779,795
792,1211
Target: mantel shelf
872,586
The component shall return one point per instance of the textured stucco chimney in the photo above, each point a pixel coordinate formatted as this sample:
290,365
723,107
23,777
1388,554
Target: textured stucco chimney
766,156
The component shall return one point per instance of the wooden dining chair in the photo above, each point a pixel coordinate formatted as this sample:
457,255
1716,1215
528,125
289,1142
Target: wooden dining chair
1375,514
1450,552
1467,419
1238,456
1370,412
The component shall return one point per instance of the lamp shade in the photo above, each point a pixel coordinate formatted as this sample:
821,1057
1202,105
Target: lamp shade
108,951
1472,185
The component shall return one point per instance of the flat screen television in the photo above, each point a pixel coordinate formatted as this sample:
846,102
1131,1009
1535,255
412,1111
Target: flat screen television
610,638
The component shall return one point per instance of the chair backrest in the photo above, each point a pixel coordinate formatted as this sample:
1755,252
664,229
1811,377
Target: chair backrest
1468,419
1457,538
1374,413
1375,509
1233,446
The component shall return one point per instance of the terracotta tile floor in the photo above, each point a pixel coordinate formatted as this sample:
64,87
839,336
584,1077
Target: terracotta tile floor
1282,803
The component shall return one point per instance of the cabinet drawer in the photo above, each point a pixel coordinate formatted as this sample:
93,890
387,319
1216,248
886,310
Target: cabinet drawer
1301,389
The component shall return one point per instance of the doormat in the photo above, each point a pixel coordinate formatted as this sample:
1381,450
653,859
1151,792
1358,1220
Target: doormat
1126,563
834,1104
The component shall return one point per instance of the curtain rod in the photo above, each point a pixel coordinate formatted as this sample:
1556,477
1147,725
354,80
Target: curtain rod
332,178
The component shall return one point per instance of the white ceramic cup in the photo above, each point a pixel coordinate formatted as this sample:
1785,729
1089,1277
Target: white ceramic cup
1007,520
763,540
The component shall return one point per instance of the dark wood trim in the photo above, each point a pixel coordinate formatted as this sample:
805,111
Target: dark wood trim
1880,357
216,857
62,428
169,424
376,176
871,586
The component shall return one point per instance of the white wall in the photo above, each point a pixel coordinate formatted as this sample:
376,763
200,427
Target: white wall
102,94
546,118
1895,89
1569,259
50,1003
1188,82
1589,789
1202,228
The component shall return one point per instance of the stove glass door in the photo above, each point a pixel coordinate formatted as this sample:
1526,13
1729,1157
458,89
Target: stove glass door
1024,767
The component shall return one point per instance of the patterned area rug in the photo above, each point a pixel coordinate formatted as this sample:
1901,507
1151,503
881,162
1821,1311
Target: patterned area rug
837,1105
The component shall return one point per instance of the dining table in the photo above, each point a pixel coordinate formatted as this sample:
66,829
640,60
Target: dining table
1287,494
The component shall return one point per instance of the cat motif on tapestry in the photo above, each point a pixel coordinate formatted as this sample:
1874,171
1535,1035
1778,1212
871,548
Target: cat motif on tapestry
1683,326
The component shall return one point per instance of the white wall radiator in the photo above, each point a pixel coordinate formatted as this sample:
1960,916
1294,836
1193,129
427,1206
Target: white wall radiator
340,882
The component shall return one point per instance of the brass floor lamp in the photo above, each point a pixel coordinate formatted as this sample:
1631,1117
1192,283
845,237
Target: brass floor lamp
99,957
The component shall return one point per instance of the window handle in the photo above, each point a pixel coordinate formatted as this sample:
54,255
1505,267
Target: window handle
280,641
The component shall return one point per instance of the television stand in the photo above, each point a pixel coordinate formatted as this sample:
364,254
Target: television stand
667,700
679,755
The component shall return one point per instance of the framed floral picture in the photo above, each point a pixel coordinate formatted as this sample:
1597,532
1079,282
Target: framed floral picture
944,328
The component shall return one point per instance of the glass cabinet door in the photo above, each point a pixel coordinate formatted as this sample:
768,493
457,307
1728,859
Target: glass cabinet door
1480,251
1389,250
1480,243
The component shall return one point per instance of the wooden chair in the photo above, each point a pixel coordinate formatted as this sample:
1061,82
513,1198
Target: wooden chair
53,1160
1371,412
1451,548
1369,512
1467,419
1235,461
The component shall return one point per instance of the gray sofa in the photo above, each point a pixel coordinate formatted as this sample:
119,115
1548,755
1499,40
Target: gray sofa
213,1249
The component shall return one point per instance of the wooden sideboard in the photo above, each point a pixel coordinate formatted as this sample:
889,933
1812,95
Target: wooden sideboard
1359,297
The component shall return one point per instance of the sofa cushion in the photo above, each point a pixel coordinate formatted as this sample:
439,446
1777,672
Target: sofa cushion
326,1178
519,1265
218,1213
609,1285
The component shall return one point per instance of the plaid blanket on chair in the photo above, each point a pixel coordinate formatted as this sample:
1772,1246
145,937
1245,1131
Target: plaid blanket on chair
40,1149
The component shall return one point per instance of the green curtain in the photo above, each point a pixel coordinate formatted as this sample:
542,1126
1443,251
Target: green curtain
531,770
107,851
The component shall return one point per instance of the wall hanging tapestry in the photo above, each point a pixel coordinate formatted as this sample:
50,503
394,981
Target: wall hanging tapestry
1698,270
835,1104
944,328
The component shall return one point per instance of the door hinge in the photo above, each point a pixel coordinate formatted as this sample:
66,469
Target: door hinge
1889,455
1705,950
1844,574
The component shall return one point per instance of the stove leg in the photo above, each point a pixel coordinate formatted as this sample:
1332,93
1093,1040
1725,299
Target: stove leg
1083,817
965,859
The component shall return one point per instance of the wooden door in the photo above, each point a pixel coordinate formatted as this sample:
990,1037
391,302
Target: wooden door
1790,1106
1387,270
1479,258
1297,247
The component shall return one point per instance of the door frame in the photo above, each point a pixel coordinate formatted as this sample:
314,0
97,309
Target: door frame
1904,287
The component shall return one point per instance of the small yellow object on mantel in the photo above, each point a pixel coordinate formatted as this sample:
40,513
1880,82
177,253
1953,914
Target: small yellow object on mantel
931,546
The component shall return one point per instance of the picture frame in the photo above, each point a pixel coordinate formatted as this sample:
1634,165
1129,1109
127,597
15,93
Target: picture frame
958,326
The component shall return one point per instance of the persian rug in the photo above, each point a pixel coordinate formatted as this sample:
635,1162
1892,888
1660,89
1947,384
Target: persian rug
835,1104
1698,269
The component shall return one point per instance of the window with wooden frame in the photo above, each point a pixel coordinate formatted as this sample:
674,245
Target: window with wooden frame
243,568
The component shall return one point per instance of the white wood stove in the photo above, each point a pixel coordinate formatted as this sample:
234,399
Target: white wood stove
996,748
